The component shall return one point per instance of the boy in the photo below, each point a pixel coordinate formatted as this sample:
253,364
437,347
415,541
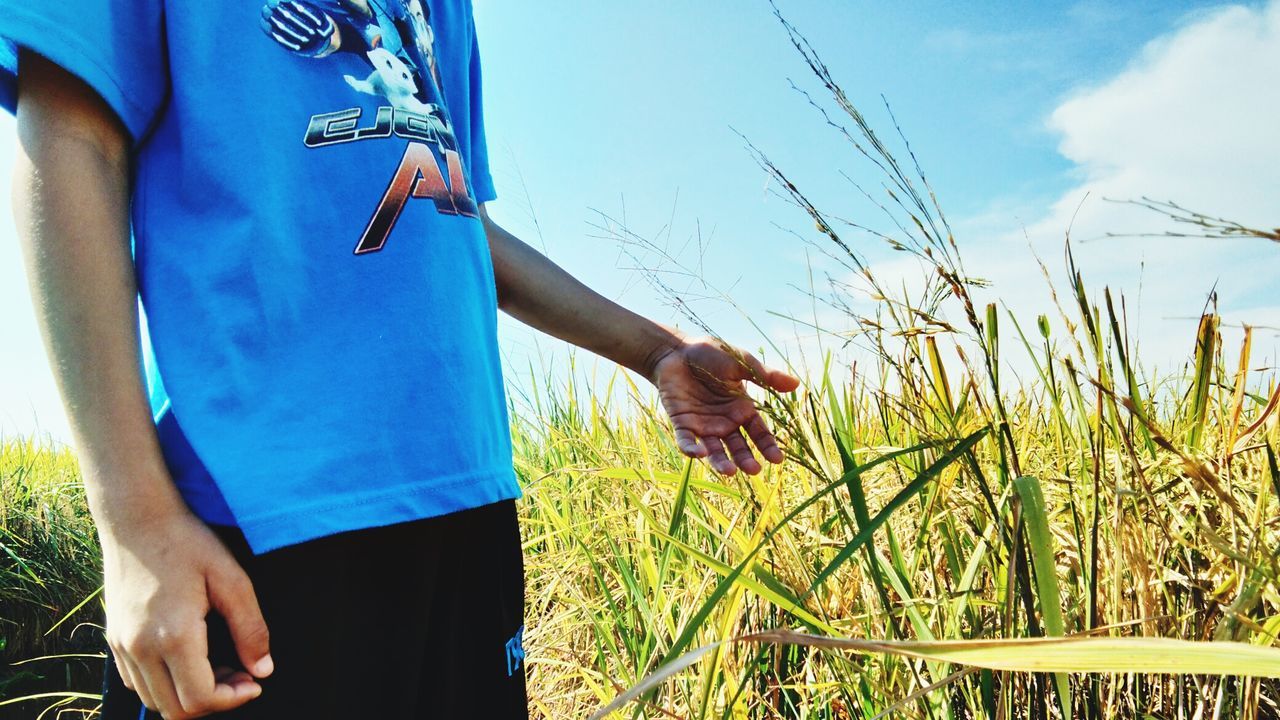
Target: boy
325,452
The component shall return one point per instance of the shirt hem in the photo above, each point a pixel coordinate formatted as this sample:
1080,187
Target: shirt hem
403,503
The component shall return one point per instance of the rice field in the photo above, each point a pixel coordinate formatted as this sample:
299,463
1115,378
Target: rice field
915,506
943,542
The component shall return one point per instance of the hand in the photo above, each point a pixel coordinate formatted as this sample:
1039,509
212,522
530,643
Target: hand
700,383
160,582
301,27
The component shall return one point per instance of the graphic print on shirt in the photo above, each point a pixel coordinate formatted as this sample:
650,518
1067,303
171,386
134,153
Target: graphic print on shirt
395,42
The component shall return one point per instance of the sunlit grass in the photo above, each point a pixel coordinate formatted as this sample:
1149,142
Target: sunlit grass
49,567
636,555
627,543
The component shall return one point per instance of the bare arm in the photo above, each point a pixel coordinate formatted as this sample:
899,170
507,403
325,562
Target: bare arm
71,203
539,293
72,209
699,380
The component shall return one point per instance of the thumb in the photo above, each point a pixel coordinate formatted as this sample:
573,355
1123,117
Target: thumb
231,594
769,377
781,381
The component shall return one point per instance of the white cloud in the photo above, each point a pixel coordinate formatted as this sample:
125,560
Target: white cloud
1192,119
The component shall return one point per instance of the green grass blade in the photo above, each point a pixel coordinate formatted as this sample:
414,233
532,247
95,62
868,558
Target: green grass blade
1046,571
682,499
75,609
865,533
695,622
1206,343
763,584
1157,656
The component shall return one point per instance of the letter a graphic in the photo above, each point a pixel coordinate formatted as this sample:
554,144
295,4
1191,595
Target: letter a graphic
418,176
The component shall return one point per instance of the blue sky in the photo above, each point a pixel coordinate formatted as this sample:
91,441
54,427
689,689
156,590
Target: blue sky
622,109
630,109
629,101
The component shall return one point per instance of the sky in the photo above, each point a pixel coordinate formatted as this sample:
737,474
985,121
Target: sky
1025,117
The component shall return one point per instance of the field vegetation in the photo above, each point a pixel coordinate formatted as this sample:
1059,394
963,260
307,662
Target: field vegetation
927,498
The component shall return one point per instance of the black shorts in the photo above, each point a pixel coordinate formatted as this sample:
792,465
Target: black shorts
422,619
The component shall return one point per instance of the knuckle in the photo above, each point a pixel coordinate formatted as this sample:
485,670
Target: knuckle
197,706
135,645
236,581
166,640
171,638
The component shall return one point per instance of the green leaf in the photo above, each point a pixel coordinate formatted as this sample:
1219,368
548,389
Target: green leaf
1046,570
867,531
695,622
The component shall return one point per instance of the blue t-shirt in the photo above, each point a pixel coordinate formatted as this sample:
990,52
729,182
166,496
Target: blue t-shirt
318,289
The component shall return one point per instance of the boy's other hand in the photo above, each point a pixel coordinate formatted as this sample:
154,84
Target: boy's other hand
164,569
700,382
162,577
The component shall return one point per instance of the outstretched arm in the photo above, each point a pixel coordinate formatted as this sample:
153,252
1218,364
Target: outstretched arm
699,380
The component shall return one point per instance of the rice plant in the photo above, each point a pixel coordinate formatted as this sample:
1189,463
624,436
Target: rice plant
49,577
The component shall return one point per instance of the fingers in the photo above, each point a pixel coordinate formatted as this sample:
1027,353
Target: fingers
122,668
125,652
782,381
160,695
717,456
688,443
186,661
297,26
739,455
764,439
236,689
742,453
230,676
171,674
279,28
198,688
133,678
232,595
306,16
765,376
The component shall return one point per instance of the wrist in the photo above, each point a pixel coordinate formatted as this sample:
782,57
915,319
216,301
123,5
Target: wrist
664,341
123,504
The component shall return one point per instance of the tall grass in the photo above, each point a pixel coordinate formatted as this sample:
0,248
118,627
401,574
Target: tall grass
933,500
629,546
49,568
926,498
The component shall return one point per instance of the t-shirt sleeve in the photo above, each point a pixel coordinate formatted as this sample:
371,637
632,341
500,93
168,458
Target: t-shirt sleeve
481,179
116,46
